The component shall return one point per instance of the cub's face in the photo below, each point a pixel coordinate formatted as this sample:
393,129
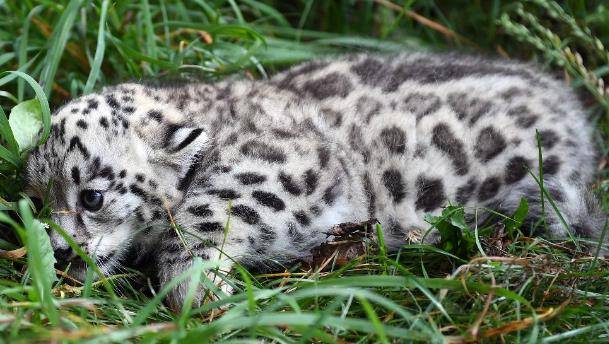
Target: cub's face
104,178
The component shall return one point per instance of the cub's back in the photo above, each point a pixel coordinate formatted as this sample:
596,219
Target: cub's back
427,128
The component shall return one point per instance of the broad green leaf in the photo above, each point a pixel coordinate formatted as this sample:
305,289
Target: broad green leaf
455,235
47,258
40,96
40,259
8,137
26,123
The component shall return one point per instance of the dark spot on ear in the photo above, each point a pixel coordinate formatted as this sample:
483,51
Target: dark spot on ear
268,199
245,213
186,180
430,193
393,182
188,140
170,132
122,173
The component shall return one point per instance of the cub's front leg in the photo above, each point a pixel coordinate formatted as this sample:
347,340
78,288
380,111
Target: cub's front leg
261,199
178,249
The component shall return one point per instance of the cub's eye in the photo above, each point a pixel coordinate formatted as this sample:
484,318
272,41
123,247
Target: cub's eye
92,200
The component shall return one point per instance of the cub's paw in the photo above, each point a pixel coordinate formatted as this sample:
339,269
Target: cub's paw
210,287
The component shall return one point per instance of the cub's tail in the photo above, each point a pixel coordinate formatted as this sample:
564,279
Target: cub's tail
563,210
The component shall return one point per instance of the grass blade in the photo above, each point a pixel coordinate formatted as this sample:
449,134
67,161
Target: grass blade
378,326
99,51
57,44
23,47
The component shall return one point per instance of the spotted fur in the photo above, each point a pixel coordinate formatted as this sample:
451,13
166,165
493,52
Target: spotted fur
366,136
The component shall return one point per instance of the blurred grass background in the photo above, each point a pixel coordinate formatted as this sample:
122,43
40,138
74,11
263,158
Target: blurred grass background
532,291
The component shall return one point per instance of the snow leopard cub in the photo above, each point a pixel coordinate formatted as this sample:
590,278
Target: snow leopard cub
391,137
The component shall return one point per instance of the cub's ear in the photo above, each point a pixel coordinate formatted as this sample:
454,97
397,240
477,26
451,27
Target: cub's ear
180,144
171,148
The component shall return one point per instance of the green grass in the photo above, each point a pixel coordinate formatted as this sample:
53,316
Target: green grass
491,284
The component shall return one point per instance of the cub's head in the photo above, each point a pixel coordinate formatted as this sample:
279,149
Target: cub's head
115,164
